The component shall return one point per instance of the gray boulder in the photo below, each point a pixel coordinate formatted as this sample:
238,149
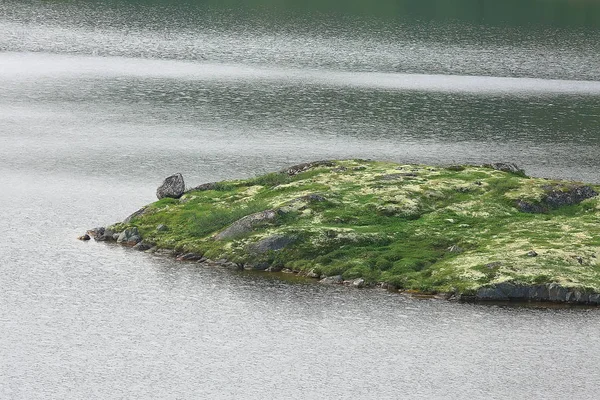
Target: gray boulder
271,243
143,246
557,196
247,224
331,280
173,187
129,237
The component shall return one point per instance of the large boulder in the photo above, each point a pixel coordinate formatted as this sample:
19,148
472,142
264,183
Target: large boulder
173,187
271,243
247,224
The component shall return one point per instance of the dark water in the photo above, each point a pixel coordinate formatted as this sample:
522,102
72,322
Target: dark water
101,100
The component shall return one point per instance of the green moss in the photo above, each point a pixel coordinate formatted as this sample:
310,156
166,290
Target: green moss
416,227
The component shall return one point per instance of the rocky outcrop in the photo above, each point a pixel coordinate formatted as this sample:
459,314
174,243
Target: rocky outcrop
246,224
557,196
509,291
173,186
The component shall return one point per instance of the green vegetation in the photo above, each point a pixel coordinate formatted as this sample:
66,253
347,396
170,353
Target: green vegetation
432,229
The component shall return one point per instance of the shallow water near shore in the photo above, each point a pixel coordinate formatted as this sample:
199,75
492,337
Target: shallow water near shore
99,101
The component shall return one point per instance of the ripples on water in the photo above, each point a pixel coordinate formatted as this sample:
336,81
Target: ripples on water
99,102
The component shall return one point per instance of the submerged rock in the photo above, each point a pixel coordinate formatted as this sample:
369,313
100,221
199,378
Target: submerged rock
173,186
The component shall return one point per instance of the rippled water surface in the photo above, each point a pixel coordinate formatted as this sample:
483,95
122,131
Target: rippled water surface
99,101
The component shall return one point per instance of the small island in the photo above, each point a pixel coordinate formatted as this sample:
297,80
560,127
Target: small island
471,233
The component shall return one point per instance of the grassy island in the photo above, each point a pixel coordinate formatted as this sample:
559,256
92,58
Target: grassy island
481,231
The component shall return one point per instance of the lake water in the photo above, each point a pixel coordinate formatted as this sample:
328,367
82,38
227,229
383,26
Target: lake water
99,101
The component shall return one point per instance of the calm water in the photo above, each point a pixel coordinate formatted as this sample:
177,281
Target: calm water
99,101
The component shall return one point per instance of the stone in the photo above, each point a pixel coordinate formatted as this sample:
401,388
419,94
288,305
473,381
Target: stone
557,292
162,228
557,196
263,266
136,214
331,280
299,168
101,234
84,237
129,237
143,246
594,298
246,224
454,249
491,293
190,257
539,293
359,283
532,253
271,243
505,167
313,274
173,187
204,187
99,231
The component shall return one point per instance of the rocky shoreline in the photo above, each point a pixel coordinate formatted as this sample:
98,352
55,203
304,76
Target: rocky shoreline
553,196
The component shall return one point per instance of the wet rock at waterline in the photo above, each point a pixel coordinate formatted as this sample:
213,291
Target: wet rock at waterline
173,186
129,237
